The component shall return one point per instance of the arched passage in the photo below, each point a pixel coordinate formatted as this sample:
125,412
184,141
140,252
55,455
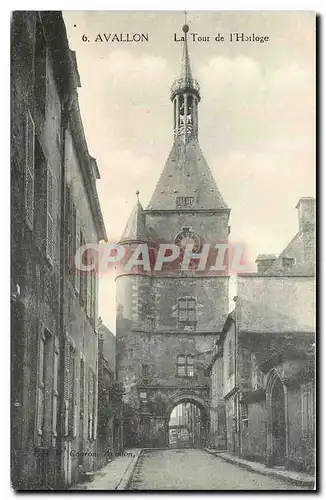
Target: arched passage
277,420
187,422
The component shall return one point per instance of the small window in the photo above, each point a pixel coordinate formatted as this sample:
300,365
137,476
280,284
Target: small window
29,170
185,365
50,215
244,415
288,262
143,396
145,372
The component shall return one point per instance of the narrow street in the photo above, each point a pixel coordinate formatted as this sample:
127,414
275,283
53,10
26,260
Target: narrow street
197,470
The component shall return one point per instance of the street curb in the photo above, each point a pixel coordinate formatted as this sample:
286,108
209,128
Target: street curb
124,482
264,472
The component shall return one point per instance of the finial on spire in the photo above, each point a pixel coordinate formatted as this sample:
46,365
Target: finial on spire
137,194
185,27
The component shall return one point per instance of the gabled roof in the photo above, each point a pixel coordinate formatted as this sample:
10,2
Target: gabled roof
135,229
186,173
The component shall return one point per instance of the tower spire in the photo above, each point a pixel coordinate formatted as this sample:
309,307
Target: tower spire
185,97
185,62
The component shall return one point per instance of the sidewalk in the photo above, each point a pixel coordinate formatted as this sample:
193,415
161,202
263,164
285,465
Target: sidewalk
297,478
115,475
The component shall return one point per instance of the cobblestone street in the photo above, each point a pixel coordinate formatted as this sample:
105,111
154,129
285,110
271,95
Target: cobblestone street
197,470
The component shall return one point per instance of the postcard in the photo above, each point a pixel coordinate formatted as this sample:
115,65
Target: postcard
163,250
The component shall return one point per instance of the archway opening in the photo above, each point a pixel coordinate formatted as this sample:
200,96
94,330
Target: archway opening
187,426
278,422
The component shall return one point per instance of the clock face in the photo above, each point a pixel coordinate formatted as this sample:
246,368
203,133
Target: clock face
188,237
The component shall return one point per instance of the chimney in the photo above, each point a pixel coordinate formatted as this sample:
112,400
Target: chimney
307,213
264,261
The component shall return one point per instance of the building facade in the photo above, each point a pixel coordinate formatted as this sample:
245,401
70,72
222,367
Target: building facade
55,209
167,320
267,351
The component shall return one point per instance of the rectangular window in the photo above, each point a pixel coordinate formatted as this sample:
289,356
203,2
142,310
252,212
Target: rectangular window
244,415
185,366
187,312
44,388
50,215
29,170
71,227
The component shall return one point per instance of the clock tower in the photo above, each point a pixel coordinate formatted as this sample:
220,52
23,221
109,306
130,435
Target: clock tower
167,321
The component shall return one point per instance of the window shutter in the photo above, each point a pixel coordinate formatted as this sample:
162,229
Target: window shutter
72,249
66,386
55,393
89,279
40,388
77,275
93,296
50,214
68,228
72,392
82,387
29,170
90,404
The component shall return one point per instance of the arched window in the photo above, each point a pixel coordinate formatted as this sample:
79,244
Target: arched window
185,365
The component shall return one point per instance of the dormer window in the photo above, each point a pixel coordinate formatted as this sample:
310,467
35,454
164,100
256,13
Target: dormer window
288,262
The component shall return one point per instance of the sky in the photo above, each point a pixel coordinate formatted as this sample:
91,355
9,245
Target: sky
256,115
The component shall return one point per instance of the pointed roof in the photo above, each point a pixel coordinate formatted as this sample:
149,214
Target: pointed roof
135,229
186,174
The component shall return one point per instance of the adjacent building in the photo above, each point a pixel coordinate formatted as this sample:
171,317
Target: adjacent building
55,209
263,370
